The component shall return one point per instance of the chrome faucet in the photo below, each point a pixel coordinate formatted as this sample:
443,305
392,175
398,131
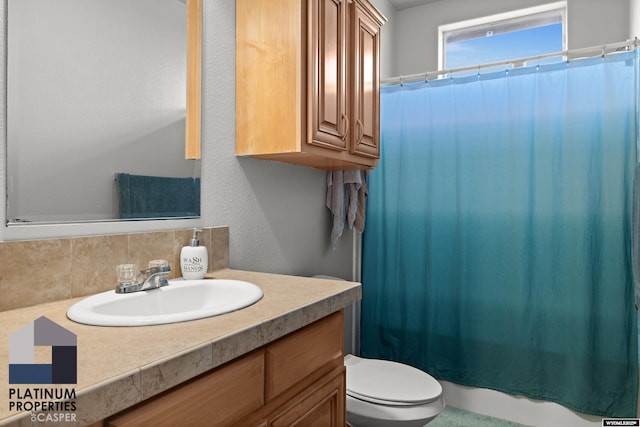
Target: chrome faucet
151,278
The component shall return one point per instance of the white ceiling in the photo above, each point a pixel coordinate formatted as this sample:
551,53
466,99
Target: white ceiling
403,4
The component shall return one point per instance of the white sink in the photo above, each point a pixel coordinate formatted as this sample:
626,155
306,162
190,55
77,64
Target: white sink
180,301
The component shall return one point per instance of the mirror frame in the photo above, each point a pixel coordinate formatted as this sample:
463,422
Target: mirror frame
34,231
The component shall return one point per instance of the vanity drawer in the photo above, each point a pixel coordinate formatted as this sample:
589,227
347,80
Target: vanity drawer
220,397
308,353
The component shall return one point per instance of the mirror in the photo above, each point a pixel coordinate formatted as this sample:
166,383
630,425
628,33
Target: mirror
97,110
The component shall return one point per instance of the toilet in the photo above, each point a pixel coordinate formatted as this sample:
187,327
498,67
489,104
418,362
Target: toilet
382,393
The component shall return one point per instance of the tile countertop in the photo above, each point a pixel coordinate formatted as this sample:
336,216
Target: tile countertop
121,366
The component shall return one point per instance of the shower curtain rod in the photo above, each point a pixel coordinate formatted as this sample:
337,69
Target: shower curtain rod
568,54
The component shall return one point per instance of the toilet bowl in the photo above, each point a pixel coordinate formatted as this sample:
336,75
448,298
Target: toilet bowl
382,393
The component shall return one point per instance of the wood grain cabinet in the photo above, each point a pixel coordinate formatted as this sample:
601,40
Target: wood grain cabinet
296,380
307,82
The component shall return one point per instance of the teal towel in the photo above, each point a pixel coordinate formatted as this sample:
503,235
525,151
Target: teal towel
143,196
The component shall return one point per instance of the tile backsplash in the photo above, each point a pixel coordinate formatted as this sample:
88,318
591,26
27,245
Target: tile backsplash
38,271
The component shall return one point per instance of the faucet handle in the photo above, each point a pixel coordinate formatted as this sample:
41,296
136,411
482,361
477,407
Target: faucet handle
159,263
160,266
127,273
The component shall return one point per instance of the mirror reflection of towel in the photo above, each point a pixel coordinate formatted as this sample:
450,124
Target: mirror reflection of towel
142,196
346,199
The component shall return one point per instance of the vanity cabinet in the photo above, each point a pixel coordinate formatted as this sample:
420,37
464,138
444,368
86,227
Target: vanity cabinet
307,82
296,380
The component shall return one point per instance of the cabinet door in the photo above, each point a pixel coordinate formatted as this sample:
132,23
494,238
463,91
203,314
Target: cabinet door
327,103
322,405
309,353
365,101
218,398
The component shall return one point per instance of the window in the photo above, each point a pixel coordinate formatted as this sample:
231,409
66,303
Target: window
527,32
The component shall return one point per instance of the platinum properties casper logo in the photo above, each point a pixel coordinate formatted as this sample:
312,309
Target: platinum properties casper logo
55,345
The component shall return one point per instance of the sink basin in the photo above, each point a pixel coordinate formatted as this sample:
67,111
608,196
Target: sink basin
180,301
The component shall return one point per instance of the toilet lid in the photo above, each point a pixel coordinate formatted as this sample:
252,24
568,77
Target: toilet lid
389,383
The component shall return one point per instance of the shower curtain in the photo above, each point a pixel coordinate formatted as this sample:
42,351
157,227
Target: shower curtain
497,252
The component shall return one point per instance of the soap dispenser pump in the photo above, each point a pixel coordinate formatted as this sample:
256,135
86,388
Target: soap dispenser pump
194,259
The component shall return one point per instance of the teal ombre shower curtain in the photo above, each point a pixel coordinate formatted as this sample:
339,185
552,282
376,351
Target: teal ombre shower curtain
497,252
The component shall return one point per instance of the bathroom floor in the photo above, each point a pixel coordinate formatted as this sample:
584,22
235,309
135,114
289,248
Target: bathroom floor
454,417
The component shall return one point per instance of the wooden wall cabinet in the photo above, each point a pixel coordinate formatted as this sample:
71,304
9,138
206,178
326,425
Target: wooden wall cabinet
296,380
307,82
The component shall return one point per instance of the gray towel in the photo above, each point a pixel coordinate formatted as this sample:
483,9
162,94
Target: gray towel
346,199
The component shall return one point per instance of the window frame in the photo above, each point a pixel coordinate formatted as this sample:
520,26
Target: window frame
521,17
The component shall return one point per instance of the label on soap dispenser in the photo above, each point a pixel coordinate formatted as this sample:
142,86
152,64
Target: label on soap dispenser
192,265
193,262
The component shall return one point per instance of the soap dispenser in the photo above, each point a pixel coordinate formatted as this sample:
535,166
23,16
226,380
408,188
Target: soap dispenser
194,259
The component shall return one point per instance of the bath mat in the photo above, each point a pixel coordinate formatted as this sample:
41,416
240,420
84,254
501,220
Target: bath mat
454,417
